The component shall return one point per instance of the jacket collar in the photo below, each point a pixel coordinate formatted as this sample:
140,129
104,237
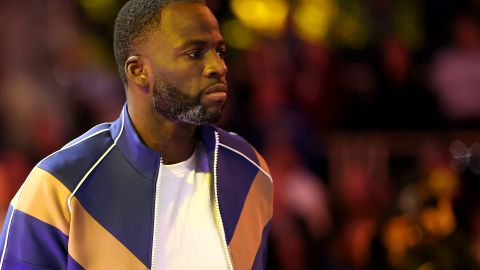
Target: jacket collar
144,159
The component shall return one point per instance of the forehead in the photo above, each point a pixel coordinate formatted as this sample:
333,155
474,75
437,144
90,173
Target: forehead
182,22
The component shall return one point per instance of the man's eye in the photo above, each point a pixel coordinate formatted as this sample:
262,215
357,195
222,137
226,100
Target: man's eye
222,53
194,54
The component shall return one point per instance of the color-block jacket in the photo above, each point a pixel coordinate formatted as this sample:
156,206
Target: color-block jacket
91,205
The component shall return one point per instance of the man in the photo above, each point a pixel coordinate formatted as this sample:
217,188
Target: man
159,188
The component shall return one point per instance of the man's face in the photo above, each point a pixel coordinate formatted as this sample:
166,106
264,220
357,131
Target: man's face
187,61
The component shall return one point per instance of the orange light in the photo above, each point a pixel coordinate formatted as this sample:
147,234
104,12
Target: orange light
266,16
312,19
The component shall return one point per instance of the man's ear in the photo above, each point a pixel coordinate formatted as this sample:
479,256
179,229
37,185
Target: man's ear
136,71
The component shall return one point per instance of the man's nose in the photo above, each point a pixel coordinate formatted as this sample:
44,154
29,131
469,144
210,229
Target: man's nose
215,67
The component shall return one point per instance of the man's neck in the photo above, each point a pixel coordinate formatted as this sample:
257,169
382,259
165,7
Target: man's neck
174,141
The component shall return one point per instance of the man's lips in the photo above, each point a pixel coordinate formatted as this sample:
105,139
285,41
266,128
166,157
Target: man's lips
216,94
216,88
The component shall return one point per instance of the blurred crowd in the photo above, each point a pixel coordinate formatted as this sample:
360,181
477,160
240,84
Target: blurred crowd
359,136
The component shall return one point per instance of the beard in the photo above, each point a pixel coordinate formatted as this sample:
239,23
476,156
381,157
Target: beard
173,104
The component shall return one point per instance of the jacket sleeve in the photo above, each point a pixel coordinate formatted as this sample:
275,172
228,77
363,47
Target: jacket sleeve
35,232
262,255
248,244
260,261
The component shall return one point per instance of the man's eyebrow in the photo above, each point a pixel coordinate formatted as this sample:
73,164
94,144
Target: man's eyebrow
199,43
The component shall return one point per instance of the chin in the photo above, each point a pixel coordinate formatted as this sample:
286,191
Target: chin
214,118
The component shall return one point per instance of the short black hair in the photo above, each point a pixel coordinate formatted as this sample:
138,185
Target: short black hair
134,22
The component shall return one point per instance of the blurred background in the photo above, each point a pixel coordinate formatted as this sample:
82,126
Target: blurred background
368,113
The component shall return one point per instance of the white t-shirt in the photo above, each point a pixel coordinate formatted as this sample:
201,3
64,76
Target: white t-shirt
188,237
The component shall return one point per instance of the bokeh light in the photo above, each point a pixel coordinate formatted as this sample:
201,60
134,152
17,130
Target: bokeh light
266,16
237,35
313,19
99,10
351,32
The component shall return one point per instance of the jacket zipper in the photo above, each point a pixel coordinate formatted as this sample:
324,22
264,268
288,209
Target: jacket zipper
217,205
155,219
217,208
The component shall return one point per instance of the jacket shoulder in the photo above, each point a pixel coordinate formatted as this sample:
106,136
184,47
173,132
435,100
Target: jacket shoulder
237,144
74,160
